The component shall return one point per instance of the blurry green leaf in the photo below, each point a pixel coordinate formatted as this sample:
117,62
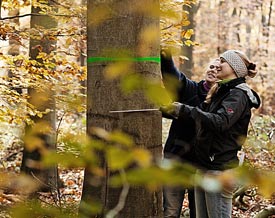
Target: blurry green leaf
157,94
117,69
34,209
88,208
131,82
64,159
118,158
142,157
101,13
151,9
121,138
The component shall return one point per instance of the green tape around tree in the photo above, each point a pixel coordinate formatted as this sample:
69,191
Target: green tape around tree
116,59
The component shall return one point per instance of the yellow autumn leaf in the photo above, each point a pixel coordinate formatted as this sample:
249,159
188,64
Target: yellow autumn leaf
142,157
188,33
68,41
185,23
188,42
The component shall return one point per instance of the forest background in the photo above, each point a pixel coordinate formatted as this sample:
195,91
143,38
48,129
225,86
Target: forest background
197,31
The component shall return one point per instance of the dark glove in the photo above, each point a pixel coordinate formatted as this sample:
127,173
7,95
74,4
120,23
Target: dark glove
167,63
171,111
165,53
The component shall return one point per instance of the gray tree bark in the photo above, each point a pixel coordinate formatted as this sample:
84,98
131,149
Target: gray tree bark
121,32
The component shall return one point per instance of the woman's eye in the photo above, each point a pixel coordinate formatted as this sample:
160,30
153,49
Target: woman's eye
211,66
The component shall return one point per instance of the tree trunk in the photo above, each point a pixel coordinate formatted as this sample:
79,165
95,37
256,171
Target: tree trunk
121,32
41,99
223,27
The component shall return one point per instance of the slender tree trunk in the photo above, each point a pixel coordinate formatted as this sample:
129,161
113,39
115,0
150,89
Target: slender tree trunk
266,25
223,27
121,32
41,99
187,51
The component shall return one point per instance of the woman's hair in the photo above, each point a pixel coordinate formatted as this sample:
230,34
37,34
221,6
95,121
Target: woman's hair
211,92
251,67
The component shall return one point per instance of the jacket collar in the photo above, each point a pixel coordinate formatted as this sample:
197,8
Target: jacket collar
232,83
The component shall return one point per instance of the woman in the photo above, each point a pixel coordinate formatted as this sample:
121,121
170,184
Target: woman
221,123
179,143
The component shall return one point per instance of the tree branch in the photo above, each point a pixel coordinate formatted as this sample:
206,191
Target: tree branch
122,198
36,14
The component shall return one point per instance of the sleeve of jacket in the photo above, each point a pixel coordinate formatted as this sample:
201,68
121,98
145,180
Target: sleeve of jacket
176,81
227,114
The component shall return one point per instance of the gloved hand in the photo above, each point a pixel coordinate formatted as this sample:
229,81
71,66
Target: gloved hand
167,62
165,53
172,110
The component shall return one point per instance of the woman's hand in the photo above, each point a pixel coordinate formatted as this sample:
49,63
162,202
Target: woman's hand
172,110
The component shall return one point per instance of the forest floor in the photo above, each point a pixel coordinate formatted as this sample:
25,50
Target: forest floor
70,194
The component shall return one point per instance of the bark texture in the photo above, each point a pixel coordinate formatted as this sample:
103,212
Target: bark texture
122,32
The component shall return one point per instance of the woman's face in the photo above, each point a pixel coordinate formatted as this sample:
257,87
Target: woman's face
211,72
225,71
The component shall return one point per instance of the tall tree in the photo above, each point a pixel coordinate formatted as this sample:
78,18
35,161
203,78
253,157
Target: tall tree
121,30
187,51
40,136
223,26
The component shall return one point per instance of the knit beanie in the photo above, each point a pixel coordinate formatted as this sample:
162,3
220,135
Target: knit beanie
236,62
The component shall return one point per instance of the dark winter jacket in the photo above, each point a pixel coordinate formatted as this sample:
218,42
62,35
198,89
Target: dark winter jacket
182,131
222,125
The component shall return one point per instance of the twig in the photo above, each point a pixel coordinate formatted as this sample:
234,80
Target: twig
165,28
39,180
36,14
122,198
57,171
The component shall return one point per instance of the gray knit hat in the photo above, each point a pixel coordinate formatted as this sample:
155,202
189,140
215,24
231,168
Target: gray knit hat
236,62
